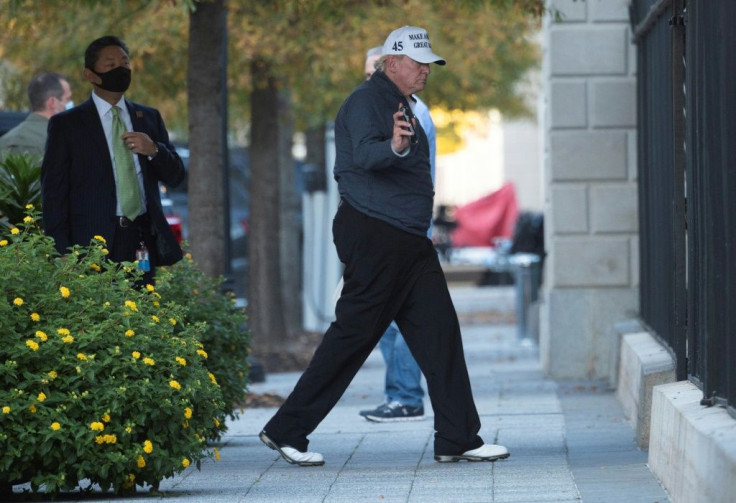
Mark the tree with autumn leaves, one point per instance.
(288, 66)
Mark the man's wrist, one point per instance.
(401, 154)
(155, 152)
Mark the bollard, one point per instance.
(527, 276)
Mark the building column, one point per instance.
(591, 226)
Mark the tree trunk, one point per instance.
(205, 75)
(291, 226)
(264, 252)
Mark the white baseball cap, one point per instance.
(413, 42)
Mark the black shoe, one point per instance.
(393, 412)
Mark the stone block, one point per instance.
(614, 208)
(613, 103)
(569, 11)
(591, 262)
(577, 337)
(692, 449)
(588, 155)
(601, 50)
(606, 11)
(644, 363)
(568, 104)
(569, 207)
(620, 329)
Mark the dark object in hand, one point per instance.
(407, 117)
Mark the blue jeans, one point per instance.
(403, 377)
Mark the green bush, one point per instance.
(98, 381)
(20, 184)
(225, 336)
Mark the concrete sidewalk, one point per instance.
(568, 441)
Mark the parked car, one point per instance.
(8, 120)
(174, 220)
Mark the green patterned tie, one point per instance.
(129, 192)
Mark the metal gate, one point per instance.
(686, 57)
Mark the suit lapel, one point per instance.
(93, 127)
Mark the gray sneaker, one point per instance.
(393, 412)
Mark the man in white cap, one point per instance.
(392, 271)
(403, 381)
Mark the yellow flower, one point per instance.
(14, 231)
(53, 374)
(35, 317)
(155, 318)
(28, 220)
(147, 447)
(100, 239)
(185, 463)
(95, 267)
(158, 295)
(64, 292)
(32, 344)
(188, 256)
(106, 418)
(18, 301)
(82, 356)
(129, 482)
(63, 331)
(149, 361)
(3, 242)
(129, 333)
(55, 426)
(100, 439)
(131, 305)
(181, 361)
(217, 453)
(212, 378)
(136, 354)
(96, 426)
(6, 410)
(111, 439)
(41, 396)
(67, 339)
(141, 462)
(172, 321)
(150, 287)
(202, 353)
(156, 303)
(105, 251)
(33, 409)
(128, 429)
(188, 413)
(174, 384)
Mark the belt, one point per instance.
(123, 221)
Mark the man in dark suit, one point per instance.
(104, 160)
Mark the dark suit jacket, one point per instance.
(78, 185)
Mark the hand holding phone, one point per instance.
(407, 117)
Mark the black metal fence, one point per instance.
(686, 57)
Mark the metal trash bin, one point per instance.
(527, 268)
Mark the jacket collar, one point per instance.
(381, 80)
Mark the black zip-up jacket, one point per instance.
(370, 176)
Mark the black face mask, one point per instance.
(116, 80)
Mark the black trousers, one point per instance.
(389, 274)
(128, 237)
